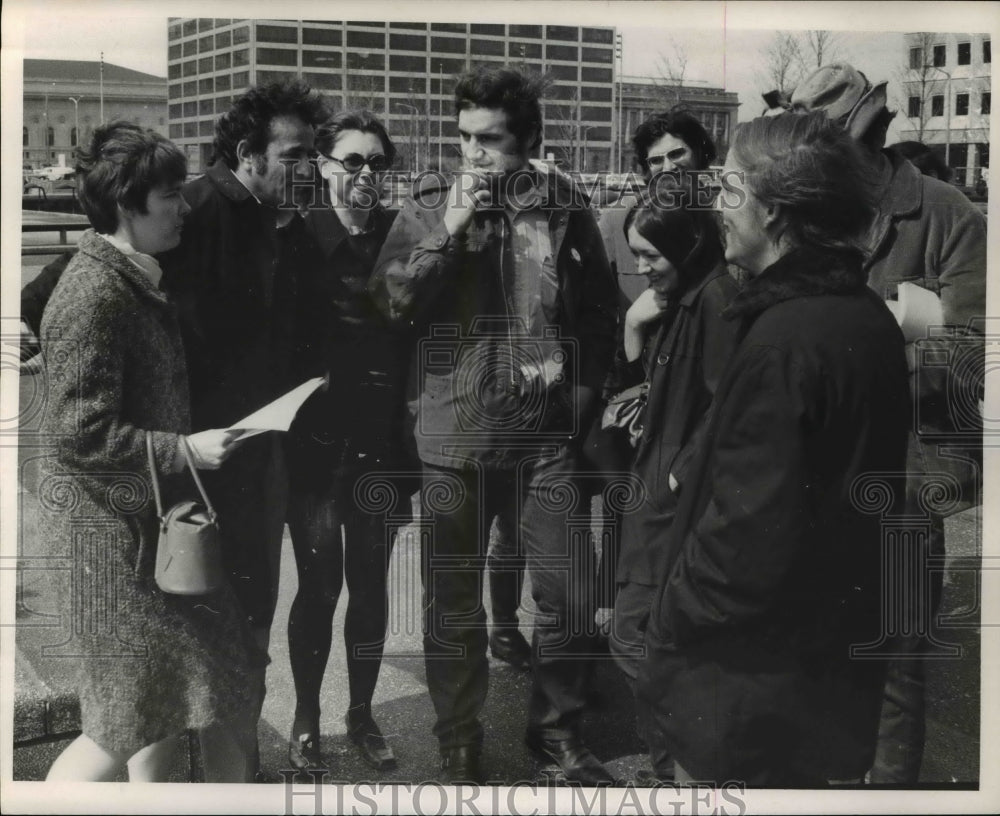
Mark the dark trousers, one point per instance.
(324, 557)
(627, 643)
(900, 749)
(460, 507)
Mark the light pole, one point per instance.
(619, 58)
(102, 87)
(76, 116)
(947, 115)
(440, 120)
(586, 132)
(414, 159)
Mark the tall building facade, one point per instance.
(715, 108)
(948, 99)
(402, 71)
(63, 104)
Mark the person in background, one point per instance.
(237, 277)
(341, 435)
(664, 143)
(115, 374)
(924, 159)
(772, 570)
(504, 276)
(925, 232)
(677, 344)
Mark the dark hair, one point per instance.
(363, 120)
(251, 116)
(516, 93)
(677, 123)
(813, 170)
(924, 159)
(120, 167)
(688, 238)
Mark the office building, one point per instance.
(402, 71)
(948, 98)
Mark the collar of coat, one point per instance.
(230, 186)
(104, 252)
(329, 231)
(901, 197)
(800, 273)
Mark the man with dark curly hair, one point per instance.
(235, 278)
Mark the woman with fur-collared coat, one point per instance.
(773, 571)
(150, 665)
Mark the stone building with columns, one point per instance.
(62, 105)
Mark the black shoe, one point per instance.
(370, 743)
(460, 766)
(649, 778)
(573, 758)
(510, 646)
(303, 753)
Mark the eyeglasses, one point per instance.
(674, 155)
(355, 162)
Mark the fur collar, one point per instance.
(800, 273)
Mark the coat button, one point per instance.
(662, 359)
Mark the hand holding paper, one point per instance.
(277, 415)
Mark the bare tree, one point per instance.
(782, 60)
(365, 91)
(819, 48)
(562, 117)
(919, 81)
(672, 68)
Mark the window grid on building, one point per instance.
(384, 66)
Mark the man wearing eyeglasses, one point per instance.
(504, 277)
(235, 278)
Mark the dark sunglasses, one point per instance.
(355, 162)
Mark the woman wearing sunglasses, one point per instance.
(341, 436)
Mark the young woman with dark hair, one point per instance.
(675, 347)
(341, 440)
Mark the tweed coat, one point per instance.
(150, 664)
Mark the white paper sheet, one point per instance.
(277, 415)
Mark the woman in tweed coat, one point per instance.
(151, 664)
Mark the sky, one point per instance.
(723, 43)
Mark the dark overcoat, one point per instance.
(683, 361)
(756, 663)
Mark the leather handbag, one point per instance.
(624, 411)
(189, 549)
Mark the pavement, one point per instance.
(402, 706)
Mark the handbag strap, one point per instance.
(194, 472)
(186, 448)
(152, 472)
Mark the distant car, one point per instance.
(50, 179)
(55, 172)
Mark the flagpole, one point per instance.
(102, 87)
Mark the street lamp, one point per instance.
(414, 159)
(76, 115)
(586, 131)
(947, 116)
(440, 119)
